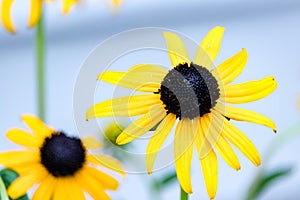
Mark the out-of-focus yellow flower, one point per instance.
(60, 164)
(36, 7)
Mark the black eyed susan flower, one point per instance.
(193, 96)
(59, 163)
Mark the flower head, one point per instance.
(193, 96)
(60, 163)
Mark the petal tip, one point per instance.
(257, 163)
(219, 28)
(166, 33)
(244, 51)
(169, 34)
(13, 193)
(99, 77)
(24, 117)
(11, 31)
(90, 113)
(120, 141)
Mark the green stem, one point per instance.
(183, 194)
(40, 42)
(3, 194)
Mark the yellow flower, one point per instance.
(59, 163)
(194, 95)
(36, 8)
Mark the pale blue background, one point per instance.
(268, 29)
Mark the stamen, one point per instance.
(189, 91)
(62, 155)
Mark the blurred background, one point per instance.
(269, 30)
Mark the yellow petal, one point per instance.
(183, 150)
(238, 139)
(209, 48)
(230, 69)
(91, 143)
(75, 191)
(91, 186)
(20, 186)
(105, 180)
(208, 131)
(107, 162)
(67, 188)
(227, 153)
(117, 3)
(176, 49)
(202, 145)
(249, 91)
(67, 5)
(5, 15)
(209, 166)
(213, 135)
(124, 106)
(143, 81)
(25, 168)
(18, 157)
(23, 138)
(35, 12)
(45, 189)
(158, 139)
(37, 126)
(61, 190)
(112, 77)
(142, 125)
(241, 114)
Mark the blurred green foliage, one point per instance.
(7, 176)
(266, 178)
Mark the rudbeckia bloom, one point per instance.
(59, 163)
(36, 8)
(193, 96)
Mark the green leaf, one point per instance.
(8, 176)
(165, 181)
(265, 180)
(281, 140)
(169, 178)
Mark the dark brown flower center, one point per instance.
(189, 90)
(62, 155)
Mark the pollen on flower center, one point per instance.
(62, 155)
(189, 91)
